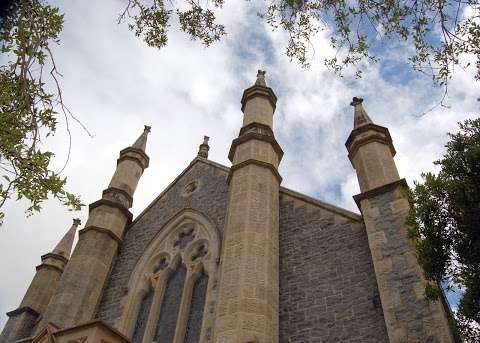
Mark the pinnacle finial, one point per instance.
(261, 78)
(360, 116)
(141, 142)
(64, 247)
(203, 148)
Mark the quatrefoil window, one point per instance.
(184, 237)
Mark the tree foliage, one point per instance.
(439, 31)
(27, 108)
(445, 225)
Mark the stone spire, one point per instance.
(252, 223)
(261, 78)
(81, 284)
(203, 148)
(360, 117)
(384, 207)
(370, 149)
(141, 142)
(259, 102)
(64, 247)
(41, 290)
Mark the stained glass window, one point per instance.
(167, 320)
(142, 317)
(194, 324)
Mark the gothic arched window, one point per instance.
(142, 317)
(180, 269)
(194, 323)
(172, 298)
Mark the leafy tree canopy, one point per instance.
(27, 109)
(439, 31)
(445, 225)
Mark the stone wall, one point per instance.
(410, 317)
(328, 290)
(209, 197)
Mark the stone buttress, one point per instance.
(81, 285)
(248, 306)
(45, 282)
(409, 316)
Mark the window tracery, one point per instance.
(194, 323)
(167, 320)
(180, 267)
(142, 317)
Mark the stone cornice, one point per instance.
(379, 190)
(259, 91)
(253, 135)
(101, 230)
(225, 170)
(118, 190)
(258, 163)
(258, 126)
(49, 266)
(143, 163)
(94, 324)
(110, 203)
(23, 309)
(377, 134)
(56, 256)
(320, 204)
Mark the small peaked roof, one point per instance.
(64, 247)
(141, 142)
(360, 116)
(261, 78)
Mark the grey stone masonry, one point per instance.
(409, 316)
(328, 290)
(209, 197)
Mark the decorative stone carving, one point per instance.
(190, 188)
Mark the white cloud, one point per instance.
(114, 83)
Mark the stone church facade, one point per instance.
(227, 255)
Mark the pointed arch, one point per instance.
(189, 242)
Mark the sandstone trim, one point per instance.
(118, 190)
(48, 266)
(353, 146)
(259, 91)
(138, 151)
(258, 163)
(110, 203)
(97, 322)
(57, 256)
(21, 310)
(261, 126)
(226, 170)
(379, 190)
(318, 203)
(253, 135)
(101, 230)
(131, 158)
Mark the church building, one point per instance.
(228, 255)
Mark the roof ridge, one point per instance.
(308, 199)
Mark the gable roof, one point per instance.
(283, 190)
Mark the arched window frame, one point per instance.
(163, 246)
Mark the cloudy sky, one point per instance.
(115, 84)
